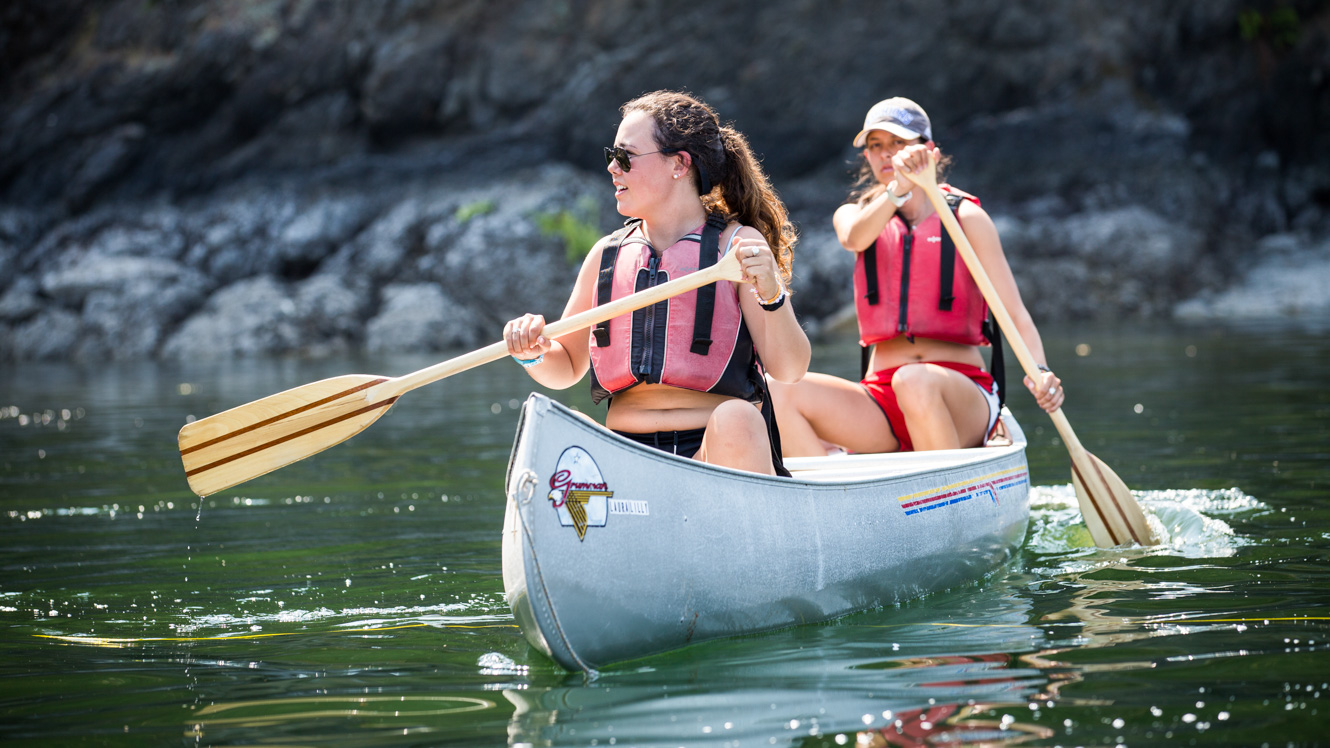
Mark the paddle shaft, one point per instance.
(727, 268)
(231, 447)
(1118, 516)
(999, 309)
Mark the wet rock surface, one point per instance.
(244, 178)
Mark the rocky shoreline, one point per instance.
(436, 265)
(245, 178)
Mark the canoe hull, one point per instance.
(612, 551)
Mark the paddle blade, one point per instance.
(242, 443)
(1111, 513)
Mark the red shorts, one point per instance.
(878, 385)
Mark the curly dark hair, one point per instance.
(724, 169)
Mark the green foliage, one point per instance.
(1280, 28)
(579, 228)
(471, 210)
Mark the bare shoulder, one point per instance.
(581, 296)
(742, 231)
(975, 220)
(970, 210)
(735, 232)
(591, 263)
(586, 275)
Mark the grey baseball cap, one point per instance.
(899, 116)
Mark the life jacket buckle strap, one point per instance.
(870, 273)
(708, 250)
(605, 279)
(947, 260)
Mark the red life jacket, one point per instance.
(696, 341)
(913, 283)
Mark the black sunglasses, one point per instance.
(624, 158)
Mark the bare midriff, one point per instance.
(646, 408)
(900, 351)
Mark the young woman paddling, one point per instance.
(918, 309)
(689, 186)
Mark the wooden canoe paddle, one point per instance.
(245, 442)
(1111, 513)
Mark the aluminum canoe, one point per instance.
(613, 551)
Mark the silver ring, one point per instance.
(1053, 390)
(752, 251)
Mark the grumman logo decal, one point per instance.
(578, 492)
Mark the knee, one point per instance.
(793, 400)
(736, 421)
(736, 437)
(916, 383)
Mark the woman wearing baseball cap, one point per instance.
(922, 319)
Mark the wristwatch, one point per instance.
(900, 200)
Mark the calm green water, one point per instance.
(355, 598)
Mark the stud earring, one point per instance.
(676, 176)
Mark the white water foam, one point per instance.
(1190, 523)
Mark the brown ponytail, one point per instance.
(723, 164)
(746, 193)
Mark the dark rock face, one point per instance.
(214, 178)
(261, 269)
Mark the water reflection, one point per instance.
(906, 702)
(372, 712)
(951, 725)
(882, 676)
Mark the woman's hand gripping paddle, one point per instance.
(1111, 514)
(232, 447)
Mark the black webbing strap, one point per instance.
(605, 279)
(707, 251)
(773, 429)
(870, 273)
(996, 366)
(946, 290)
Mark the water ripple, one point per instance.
(364, 617)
